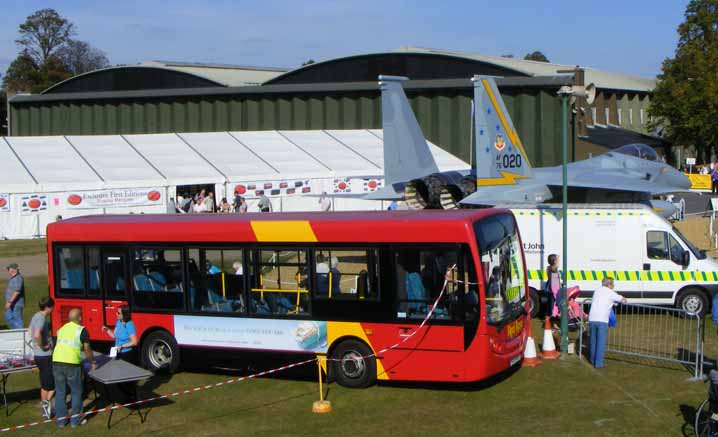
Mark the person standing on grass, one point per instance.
(14, 297)
(42, 349)
(72, 339)
(602, 302)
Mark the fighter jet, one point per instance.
(503, 173)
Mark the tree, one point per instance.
(536, 56)
(3, 113)
(43, 33)
(49, 54)
(80, 57)
(309, 62)
(685, 100)
(508, 55)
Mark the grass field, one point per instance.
(12, 248)
(565, 397)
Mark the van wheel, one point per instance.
(534, 303)
(160, 352)
(693, 301)
(353, 364)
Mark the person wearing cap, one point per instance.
(14, 297)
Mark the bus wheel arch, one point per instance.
(352, 364)
(693, 299)
(534, 302)
(159, 351)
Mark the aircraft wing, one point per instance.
(529, 192)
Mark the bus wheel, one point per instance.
(160, 351)
(534, 303)
(354, 364)
(693, 301)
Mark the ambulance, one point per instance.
(649, 259)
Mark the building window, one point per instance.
(630, 116)
(620, 116)
(641, 115)
(607, 113)
(594, 115)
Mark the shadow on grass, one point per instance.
(455, 386)
(16, 399)
(689, 419)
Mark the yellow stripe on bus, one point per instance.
(283, 231)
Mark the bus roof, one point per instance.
(324, 227)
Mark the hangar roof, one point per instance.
(165, 75)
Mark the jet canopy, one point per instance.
(638, 150)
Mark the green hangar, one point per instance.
(342, 93)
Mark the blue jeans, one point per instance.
(597, 348)
(13, 316)
(714, 309)
(68, 375)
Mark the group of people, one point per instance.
(602, 303)
(60, 363)
(204, 202)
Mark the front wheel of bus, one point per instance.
(354, 364)
(160, 351)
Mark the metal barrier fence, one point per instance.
(655, 332)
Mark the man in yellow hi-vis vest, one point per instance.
(72, 338)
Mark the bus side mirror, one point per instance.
(686, 259)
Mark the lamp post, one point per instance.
(565, 92)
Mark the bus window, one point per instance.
(280, 283)
(502, 266)
(72, 271)
(157, 278)
(349, 274)
(420, 277)
(93, 271)
(217, 280)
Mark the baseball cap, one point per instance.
(11, 266)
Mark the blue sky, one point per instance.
(631, 37)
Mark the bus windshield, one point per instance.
(502, 267)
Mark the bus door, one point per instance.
(115, 283)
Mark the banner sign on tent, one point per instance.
(4, 203)
(114, 198)
(33, 204)
(357, 185)
(274, 188)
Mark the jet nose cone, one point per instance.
(671, 177)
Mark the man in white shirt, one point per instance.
(603, 299)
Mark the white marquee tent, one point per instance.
(44, 177)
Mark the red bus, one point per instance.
(343, 284)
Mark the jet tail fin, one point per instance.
(503, 170)
(500, 156)
(406, 154)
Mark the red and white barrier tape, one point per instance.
(240, 379)
(156, 398)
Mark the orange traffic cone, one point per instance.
(548, 349)
(531, 358)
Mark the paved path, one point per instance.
(30, 265)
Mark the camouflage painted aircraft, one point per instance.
(503, 173)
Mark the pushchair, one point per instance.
(576, 315)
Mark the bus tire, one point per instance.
(693, 300)
(534, 303)
(353, 364)
(160, 352)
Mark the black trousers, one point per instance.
(714, 187)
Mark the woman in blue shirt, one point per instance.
(125, 335)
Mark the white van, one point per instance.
(649, 259)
